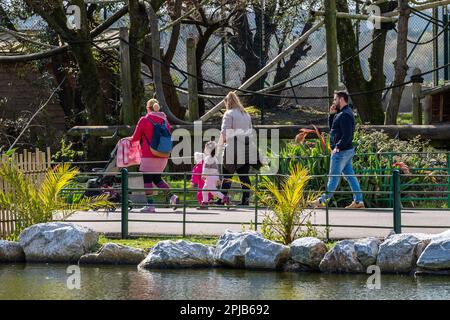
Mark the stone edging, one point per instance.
(398, 253)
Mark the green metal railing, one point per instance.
(442, 166)
(396, 209)
(396, 192)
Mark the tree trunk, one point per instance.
(199, 52)
(170, 92)
(400, 64)
(138, 30)
(79, 42)
(66, 95)
(285, 71)
(244, 46)
(88, 80)
(374, 111)
(369, 105)
(248, 47)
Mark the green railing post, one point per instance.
(124, 220)
(448, 180)
(397, 206)
(327, 217)
(391, 161)
(256, 203)
(184, 205)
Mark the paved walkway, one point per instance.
(205, 222)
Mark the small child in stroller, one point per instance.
(104, 183)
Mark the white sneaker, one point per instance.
(147, 209)
(316, 204)
(355, 205)
(174, 201)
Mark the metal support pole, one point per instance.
(184, 205)
(128, 114)
(124, 221)
(223, 43)
(331, 38)
(446, 43)
(192, 81)
(224, 78)
(256, 203)
(397, 207)
(391, 161)
(435, 48)
(448, 180)
(416, 90)
(327, 217)
(261, 61)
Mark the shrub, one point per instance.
(33, 202)
(66, 153)
(375, 158)
(287, 217)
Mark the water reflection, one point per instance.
(43, 281)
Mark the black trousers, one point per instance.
(152, 178)
(245, 169)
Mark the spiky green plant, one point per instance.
(33, 202)
(287, 202)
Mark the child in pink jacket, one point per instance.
(196, 180)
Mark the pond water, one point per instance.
(43, 281)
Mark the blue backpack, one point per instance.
(161, 144)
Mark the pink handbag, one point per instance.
(128, 153)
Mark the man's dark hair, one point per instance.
(342, 94)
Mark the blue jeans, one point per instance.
(341, 164)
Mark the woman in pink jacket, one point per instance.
(149, 162)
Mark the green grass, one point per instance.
(147, 243)
(404, 118)
(330, 245)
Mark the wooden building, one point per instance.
(436, 105)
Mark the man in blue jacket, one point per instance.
(342, 128)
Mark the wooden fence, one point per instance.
(35, 165)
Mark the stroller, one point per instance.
(106, 182)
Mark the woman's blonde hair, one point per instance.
(151, 103)
(232, 101)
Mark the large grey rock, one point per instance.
(113, 253)
(367, 251)
(250, 250)
(342, 259)
(308, 251)
(11, 252)
(178, 254)
(57, 242)
(436, 255)
(399, 252)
